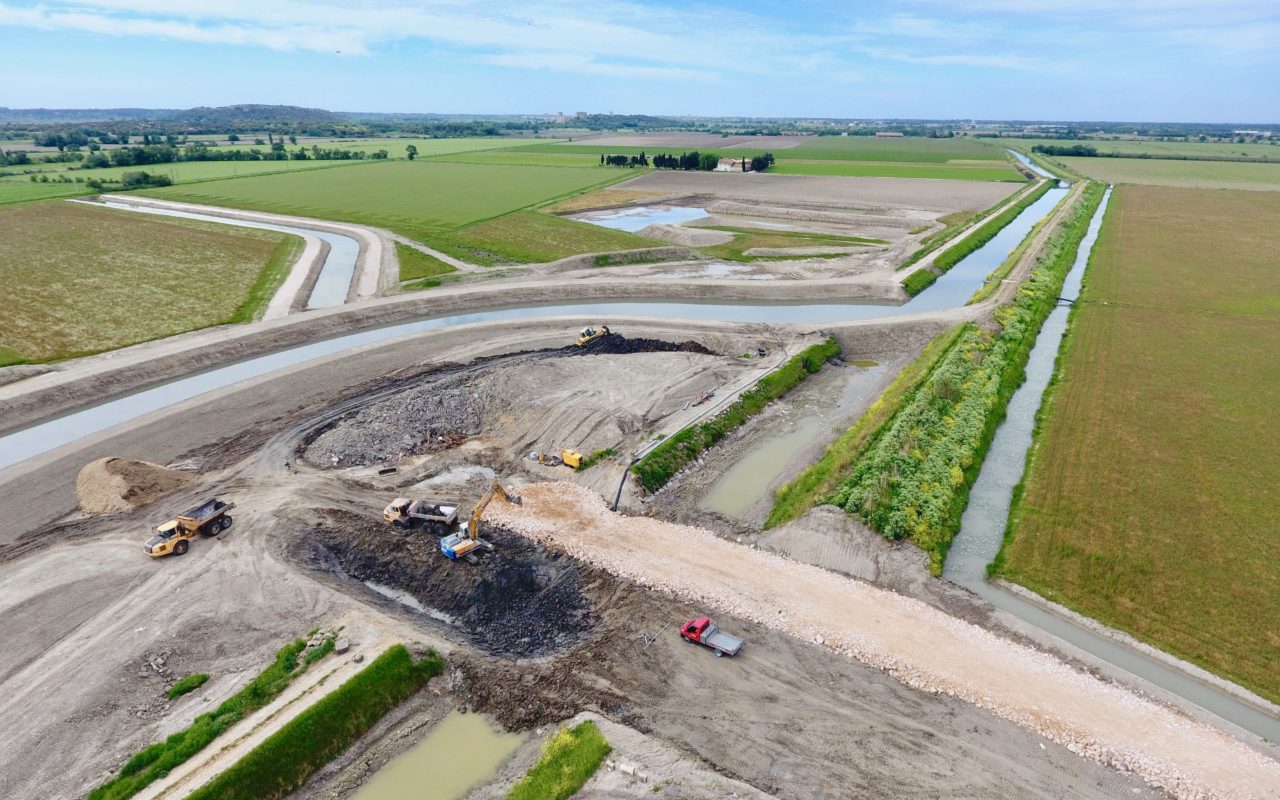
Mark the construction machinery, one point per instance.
(701, 630)
(174, 536)
(436, 516)
(570, 458)
(463, 544)
(589, 334)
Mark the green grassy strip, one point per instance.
(956, 224)
(912, 481)
(661, 463)
(157, 760)
(568, 761)
(186, 685)
(415, 264)
(8, 357)
(269, 280)
(595, 458)
(988, 230)
(918, 281)
(291, 755)
(822, 478)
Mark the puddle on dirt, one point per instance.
(461, 752)
(743, 485)
(719, 269)
(633, 219)
(404, 598)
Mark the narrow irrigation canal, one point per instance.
(335, 274)
(983, 524)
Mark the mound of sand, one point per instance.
(122, 484)
(689, 237)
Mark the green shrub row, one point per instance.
(918, 281)
(665, 460)
(989, 229)
(157, 760)
(291, 755)
(186, 685)
(568, 761)
(912, 479)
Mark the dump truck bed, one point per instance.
(204, 512)
(717, 639)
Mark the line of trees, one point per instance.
(690, 162)
(624, 161)
(687, 161)
(164, 154)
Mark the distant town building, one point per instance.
(734, 165)
(560, 118)
(888, 134)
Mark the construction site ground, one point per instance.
(534, 637)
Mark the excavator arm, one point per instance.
(495, 490)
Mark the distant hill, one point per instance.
(254, 117)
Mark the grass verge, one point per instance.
(820, 479)
(568, 761)
(291, 755)
(662, 462)
(186, 685)
(912, 479)
(987, 231)
(156, 761)
(533, 237)
(417, 265)
(269, 281)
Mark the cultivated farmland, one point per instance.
(1149, 502)
(851, 156)
(430, 201)
(1191, 174)
(83, 279)
(1164, 149)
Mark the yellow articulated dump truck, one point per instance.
(174, 537)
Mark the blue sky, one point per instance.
(1171, 60)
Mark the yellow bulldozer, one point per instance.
(464, 543)
(589, 334)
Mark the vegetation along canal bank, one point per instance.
(1149, 501)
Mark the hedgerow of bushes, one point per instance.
(665, 460)
(286, 759)
(912, 479)
(918, 281)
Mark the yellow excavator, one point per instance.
(589, 334)
(463, 544)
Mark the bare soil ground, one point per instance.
(85, 615)
(942, 196)
(925, 649)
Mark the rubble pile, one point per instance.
(919, 645)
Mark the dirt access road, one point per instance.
(916, 643)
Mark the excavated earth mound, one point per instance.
(690, 237)
(519, 600)
(617, 344)
(122, 484)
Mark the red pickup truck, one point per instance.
(704, 632)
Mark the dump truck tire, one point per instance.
(214, 528)
(226, 522)
(180, 548)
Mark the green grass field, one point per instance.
(83, 279)
(25, 191)
(1203, 149)
(1189, 174)
(851, 156)
(1150, 496)
(433, 202)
